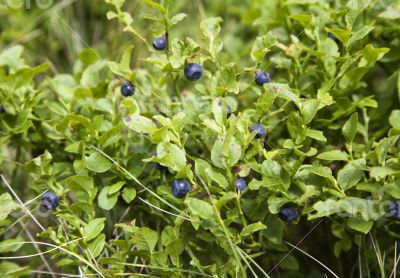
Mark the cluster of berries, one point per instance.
(193, 71)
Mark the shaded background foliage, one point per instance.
(332, 123)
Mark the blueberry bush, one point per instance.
(161, 138)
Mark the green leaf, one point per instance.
(175, 248)
(304, 19)
(359, 34)
(200, 208)
(93, 229)
(316, 134)
(382, 172)
(231, 150)
(252, 228)
(217, 177)
(106, 199)
(13, 270)
(296, 127)
(142, 124)
(283, 90)
(321, 171)
(390, 13)
(360, 225)
(209, 174)
(342, 245)
(176, 19)
(7, 205)
(227, 79)
(91, 76)
(351, 174)
(126, 58)
(392, 189)
(171, 156)
(89, 56)
(98, 163)
(262, 46)
(347, 207)
(96, 246)
(11, 57)
(216, 154)
(77, 182)
(156, 6)
(128, 194)
(211, 27)
(350, 128)
(116, 187)
(394, 118)
(333, 155)
(145, 239)
(11, 245)
(372, 54)
(217, 111)
(309, 109)
(341, 34)
(116, 3)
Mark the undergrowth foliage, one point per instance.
(213, 153)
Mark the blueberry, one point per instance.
(333, 37)
(262, 77)
(127, 89)
(193, 71)
(180, 188)
(394, 209)
(260, 129)
(240, 184)
(385, 38)
(160, 43)
(228, 112)
(50, 200)
(288, 213)
(2, 109)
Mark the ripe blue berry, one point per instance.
(193, 71)
(127, 89)
(2, 109)
(180, 188)
(333, 37)
(262, 77)
(160, 43)
(394, 209)
(228, 112)
(288, 213)
(240, 184)
(50, 200)
(385, 38)
(259, 129)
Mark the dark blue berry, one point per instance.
(180, 188)
(50, 200)
(385, 38)
(288, 213)
(193, 71)
(263, 77)
(127, 89)
(394, 210)
(259, 129)
(228, 112)
(158, 166)
(2, 109)
(160, 43)
(333, 37)
(240, 184)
